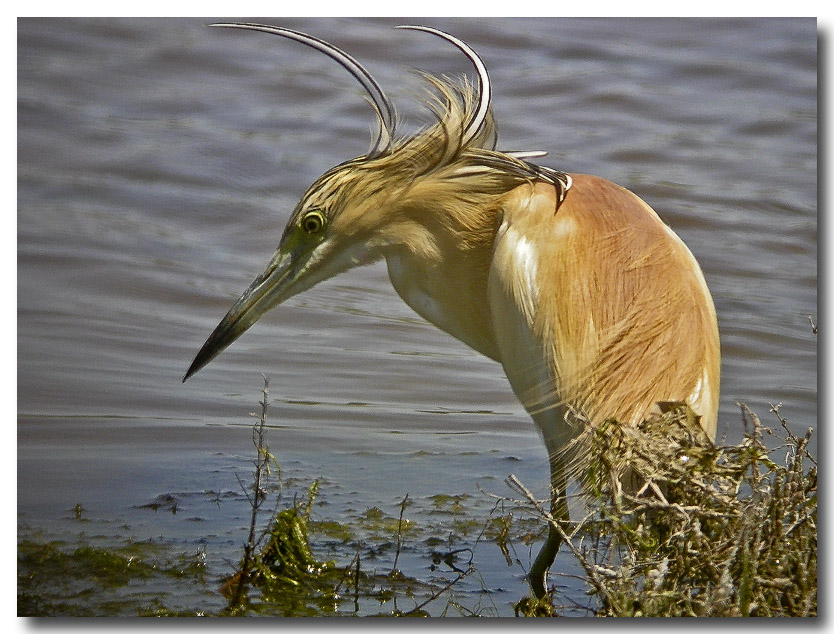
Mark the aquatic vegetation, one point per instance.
(676, 526)
(284, 571)
(281, 566)
(58, 579)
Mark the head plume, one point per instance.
(384, 110)
(464, 137)
(478, 117)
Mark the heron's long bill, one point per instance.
(269, 289)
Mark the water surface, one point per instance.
(158, 161)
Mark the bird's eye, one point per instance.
(313, 221)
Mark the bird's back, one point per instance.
(615, 298)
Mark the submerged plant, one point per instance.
(280, 565)
(285, 562)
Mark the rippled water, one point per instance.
(158, 161)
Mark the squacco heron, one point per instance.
(593, 306)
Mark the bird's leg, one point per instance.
(559, 511)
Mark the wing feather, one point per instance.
(600, 309)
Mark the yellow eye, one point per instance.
(313, 221)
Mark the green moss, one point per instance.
(449, 503)
(332, 529)
(97, 565)
(384, 527)
(56, 579)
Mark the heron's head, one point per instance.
(357, 210)
(339, 224)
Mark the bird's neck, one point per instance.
(441, 269)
